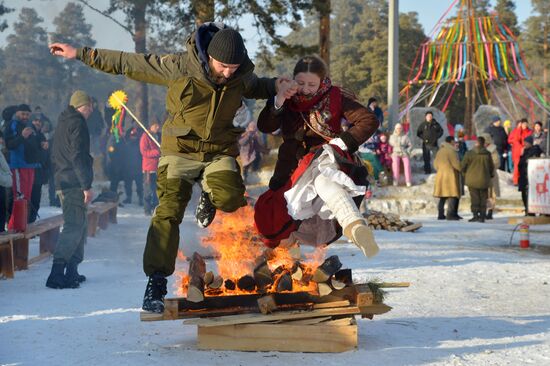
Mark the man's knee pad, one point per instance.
(226, 190)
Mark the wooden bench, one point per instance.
(101, 214)
(7, 255)
(47, 230)
(14, 247)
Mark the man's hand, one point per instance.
(62, 49)
(45, 145)
(88, 196)
(27, 131)
(279, 81)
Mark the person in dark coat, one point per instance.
(41, 172)
(429, 132)
(132, 165)
(478, 169)
(114, 164)
(530, 151)
(500, 139)
(373, 106)
(73, 180)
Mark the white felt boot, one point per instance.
(347, 214)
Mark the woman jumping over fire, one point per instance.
(317, 175)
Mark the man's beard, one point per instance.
(216, 78)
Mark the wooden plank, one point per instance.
(21, 253)
(93, 221)
(7, 266)
(43, 225)
(333, 304)
(113, 213)
(258, 318)
(39, 257)
(412, 227)
(309, 321)
(48, 240)
(529, 220)
(338, 322)
(278, 337)
(375, 309)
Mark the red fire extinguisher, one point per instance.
(20, 211)
(524, 236)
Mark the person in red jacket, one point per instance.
(150, 152)
(517, 140)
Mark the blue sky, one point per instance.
(109, 35)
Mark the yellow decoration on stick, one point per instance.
(116, 98)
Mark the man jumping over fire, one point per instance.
(199, 142)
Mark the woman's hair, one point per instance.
(311, 64)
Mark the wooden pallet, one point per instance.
(530, 220)
(296, 322)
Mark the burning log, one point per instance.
(208, 278)
(285, 283)
(197, 270)
(216, 283)
(330, 266)
(263, 275)
(246, 283)
(267, 304)
(324, 289)
(298, 274)
(337, 285)
(230, 285)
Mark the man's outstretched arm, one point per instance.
(148, 68)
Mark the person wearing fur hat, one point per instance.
(73, 181)
(205, 87)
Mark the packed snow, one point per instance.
(475, 298)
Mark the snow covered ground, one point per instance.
(473, 300)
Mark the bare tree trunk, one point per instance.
(140, 38)
(204, 11)
(323, 6)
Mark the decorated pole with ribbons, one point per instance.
(118, 101)
(479, 51)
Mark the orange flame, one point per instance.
(238, 248)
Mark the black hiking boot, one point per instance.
(57, 278)
(489, 215)
(153, 300)
(205, 212)
(475, 218)
(72, 274)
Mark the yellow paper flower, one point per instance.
(116, 98)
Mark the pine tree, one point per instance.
(507, 15)
(30, 74)
(4, 10)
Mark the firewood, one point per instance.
(246, 283)
(298, 274)
(337, 285)
(216, 283)
(344, 275)
(285, 283)
(197, 270)
(324, 289)
(208, 278)
(329, 267)
(263, 275)
(230, 284)
(267, 304)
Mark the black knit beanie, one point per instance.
(227, 46)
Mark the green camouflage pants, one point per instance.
(70, 246)
(220, 178)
